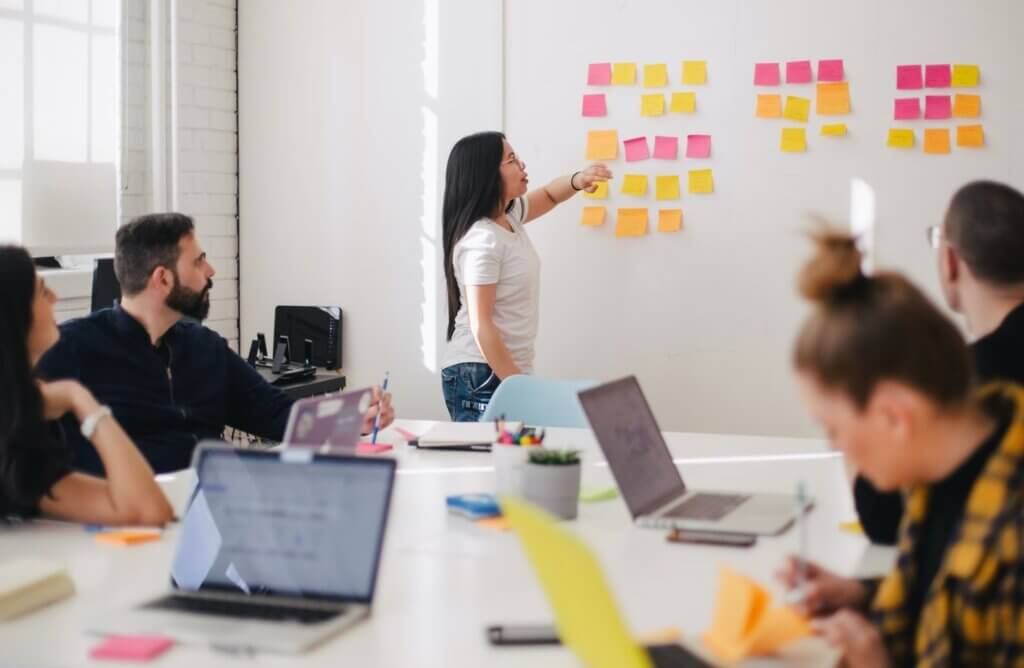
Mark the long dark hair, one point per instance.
(472, 190)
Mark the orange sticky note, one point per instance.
(900, 138)
(670, 220)
(126, 538)
(631, 223)
(966, 106)
(600, 192)
(769, 106)
(593, 216)
(833, 98)
(970, 136)
(602, 145)
(655, 76)
(683, 103)
(494, 523)
(936, 140)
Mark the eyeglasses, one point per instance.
(934, 235)
(514, 158)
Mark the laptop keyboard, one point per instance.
(243, 610)
(707, 507)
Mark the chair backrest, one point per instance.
(106, 291)
(540, 402)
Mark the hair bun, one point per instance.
(834, 269)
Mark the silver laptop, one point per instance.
(277, 552)
(651, 484)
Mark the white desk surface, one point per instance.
(444, 579)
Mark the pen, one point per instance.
(376, 420)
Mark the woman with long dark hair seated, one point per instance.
(34, 473)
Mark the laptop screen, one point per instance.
(630, 438)
(284, 524)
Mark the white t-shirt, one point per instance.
(490, 254)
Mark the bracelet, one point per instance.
(92, 420)
(572, 182)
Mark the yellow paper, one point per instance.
(624, 73)
(965, 76)
(769, 106)
(695, 72)
(701, 181)
(970, 136)
(670, 220)
(602, 145)
(966, 106)
(936, 140)
(833, 130)
(593, 215)
(794, 140)
(851, 527)
(834, 98)
(666, 187)
(797, 108)
(652, 105)
(631, 223)
(655, 76)
(601, 192)
(900, 138)
(683, 103)
(634, 184)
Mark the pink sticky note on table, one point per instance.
(907, 108)
(594, 105)
(372, 448)
(766, 74)
(830, 70)
(666, 148)
(937, 76)
(636, 149)
(908, 77)
(798, 72)
(599, 74)
(938, 106)
(132, 648)
(698, 146)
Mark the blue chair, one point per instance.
(540, 402)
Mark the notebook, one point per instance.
(27, 584)
(463, 435)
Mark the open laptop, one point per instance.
(277, 552)
(328, 423)
(650, 482)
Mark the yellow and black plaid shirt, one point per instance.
(973, 611)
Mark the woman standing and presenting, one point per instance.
(491, 269)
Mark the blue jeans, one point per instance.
(468, 388)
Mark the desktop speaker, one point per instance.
(319, 324)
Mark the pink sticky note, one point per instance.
(372, 448)
(593, 105)
(698, 146)
(907, 108)
(908, 77)
(666, 148)
(937, 106)
(133, 648)
(599, 74)
(830, 70)
(937, 76)
(406, 434)
(798, 72)
(636, 149)
(766, 74)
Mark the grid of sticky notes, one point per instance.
(793, 104)
(627, 90)
(930, 95)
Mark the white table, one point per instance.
(444, 579)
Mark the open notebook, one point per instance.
(462, 435)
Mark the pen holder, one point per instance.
(509, 461)
(553, 483)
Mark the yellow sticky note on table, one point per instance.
(593, 216)
(670, 220)
(652, 105)
(624, 73)
(701, 181)
(683, 103)
(833, 98)
(602, 145)
(965, 76)
(655, 76)
(666, 187)
(833, 130)
(966, 106)
(794, 140)
(600, 192)
(695, 72)
(936, 140)
(900, 138)
(769, 106)
(634, 184)
(631, 223)
(970, 136)
(797, 108)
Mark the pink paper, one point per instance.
(830, 70)
(698, 146)
(136, 648)
(406, 434)
(937, 76)
(666, 148)
(908, 77)
(766, 74)
(599, 74)
(907, 108)
(593, 105)
(372, 448)
(798, 72)
(937, 106)
(636, 149)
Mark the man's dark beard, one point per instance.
(188, 302)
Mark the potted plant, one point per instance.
(551, 480)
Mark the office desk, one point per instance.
(324, 382)
(443, 579)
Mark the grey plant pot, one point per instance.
(554, 488)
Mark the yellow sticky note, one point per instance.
(794, 140)
(965, 76)
(683, 103)
(853, 526)
(602, 145)
(966, 106)
(900, 138)
(936, 140)
(624, 73)
(652, 105)
(769, 106)
(970, 136)
(127, 537)
(833, 130)
(670, 220)
(666, 187)
(655, 76)
(593, 216)
(701, 181)
(631, 223)
(601, 192)
(834, 98)
(634, 184)
(797, 108)
(695, 72)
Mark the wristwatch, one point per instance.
(92, 420)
